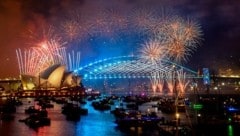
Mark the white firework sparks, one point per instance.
(182, 83)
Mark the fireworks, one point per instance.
(170, 81)
(153, 51)
(182, 83)
(40, 57)
(71, 29)
(178, 39)
(180, 36)
(117, 19)
(99, 24)
(35, 60)
(48, 50)
(75, 28)
(45, 54)
(25, 61)
(162, 36)
(182, 39)
(34, 36)
(160, 81)
(157, 81)
(144, 20)
(73, 61)
(107, 25)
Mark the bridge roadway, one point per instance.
(39, 93)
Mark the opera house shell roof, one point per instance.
(54, 77)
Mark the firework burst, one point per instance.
(193, 33)
(144, 20)
(50, 50)
(71, 29)
(117, 19)
(153, 51)
(181, 38)
(46, 53)
(34, 36)
(75, 28)
(99, 24)
(37, 59)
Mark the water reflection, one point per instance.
(100, 123)
(230, 130)
(95, 123)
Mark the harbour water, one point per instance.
(96, 123)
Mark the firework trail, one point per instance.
(182, 83)
(37, 59)
(154, 81)
(160, 80)
(48, 50)
(73, 60)
(170, 81)
(157, 81)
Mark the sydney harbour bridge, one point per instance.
(131, 67)
(157, 75)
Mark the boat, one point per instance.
(136, 119)
(73, 112)
(36, 120)
(138, 122)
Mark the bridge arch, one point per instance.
(129, 67)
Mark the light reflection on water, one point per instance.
(95, 123)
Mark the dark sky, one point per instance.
(219, 20)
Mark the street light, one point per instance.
(177, 115)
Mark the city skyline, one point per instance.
(218, 20)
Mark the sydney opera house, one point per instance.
(55, 80)
(46, 69)
(54, 77)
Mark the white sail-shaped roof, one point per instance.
(55, 78)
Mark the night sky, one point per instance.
(219, 21)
